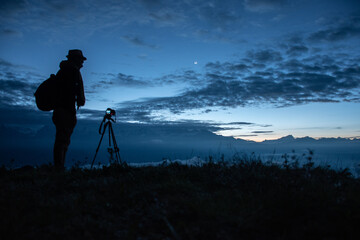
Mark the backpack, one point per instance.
(46, 94)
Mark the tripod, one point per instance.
(111, 150)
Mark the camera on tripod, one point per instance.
(109, 113)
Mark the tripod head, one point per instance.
(109, 113)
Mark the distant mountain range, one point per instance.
(308, 140)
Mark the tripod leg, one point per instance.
(110, 128)
(117, 154)
(97, 149)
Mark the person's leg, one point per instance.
(65, 123)
(62, 142)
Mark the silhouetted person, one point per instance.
(71, 91)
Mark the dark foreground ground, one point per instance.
(248, 200)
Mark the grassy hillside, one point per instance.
(247, 200)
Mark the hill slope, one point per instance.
(248, 200)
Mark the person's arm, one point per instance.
(80, 95)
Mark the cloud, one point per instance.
(5, 64)
(69, 20)
(182, 76)
(280, 82)
(262, 132)
(121, 79)
(136, 40)
(296, 50)
(17, 84)
(261, 6)
(208, 17)
(343, 29)
(109, 80)
(129, 80)
(230, 68)
(265, 56)
(14, 93)
(240, 123)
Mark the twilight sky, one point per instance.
(255, 69)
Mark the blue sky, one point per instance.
(260, 69)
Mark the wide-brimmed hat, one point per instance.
(76, 53)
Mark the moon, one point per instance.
(195, 62)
